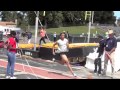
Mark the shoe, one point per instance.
(13, 77)
(53, 59)
(7, 77)
(75, 75)
(99, 74)
(95, 73)
(104, 74)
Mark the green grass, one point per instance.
(73, 30)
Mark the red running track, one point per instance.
(37, 71)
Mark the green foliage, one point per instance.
(57, 18)
(104, 17)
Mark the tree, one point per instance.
(31, 17)
(104, 17)
(6, 16)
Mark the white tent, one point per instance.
(8, 29)
(4, 30)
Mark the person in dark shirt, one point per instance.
(29, 34)
(100, 50)
(110, 46)
(68, 36)
(55, 36)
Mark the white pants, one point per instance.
(112, 62)
(29, 40)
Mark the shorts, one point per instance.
(63, 53)
(58, 55)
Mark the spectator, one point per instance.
(68, 36)
(110, 47)
(100, 51)
(29, 34)
(42, 35)
(55, 36)
(17, 38)
(11, 47)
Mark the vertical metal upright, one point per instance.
(88, 13)
(36, 30)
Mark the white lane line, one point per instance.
(45, 69)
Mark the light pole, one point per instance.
(92, 16)
(88, 40)
(36, 30)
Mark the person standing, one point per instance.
(42, 35)
(63, 48)
(110, 47)
(68, 36)
(11, 51)
(17, 41)
(55, 36)
(17, 38)
(29, 34)
(100, 51)
(65, 34)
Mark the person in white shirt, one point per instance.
(63, 48)
(55, 36)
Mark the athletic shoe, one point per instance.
(7, 77)
(104, 73)
(53, 59)
(75, 75)
(95, 73)
(99, 74)
(13, 77)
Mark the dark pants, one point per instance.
(42, 39)
(97, 63)
(54, 39)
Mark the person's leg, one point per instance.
(13, 59)
(99, 64)
(105, 64)
(95, 63)
(61, 61)
(54, 39)
(9, 64)
(113, 62)
(30, 40)
(65, 59)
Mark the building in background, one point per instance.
(8, 24)
(6, 27)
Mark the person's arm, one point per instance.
(53, 49)
(9, 46)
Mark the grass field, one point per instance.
(73, 30)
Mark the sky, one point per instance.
(117, 14)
